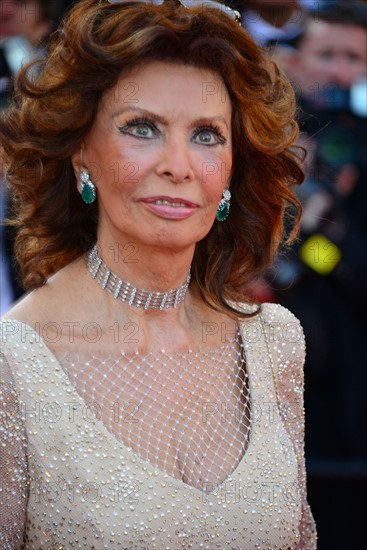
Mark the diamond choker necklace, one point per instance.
(126, 292)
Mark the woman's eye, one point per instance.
(139, 129)
(205, 136)
(142, 130)
(209, 136)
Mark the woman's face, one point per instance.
(160, 155)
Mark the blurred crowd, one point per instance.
(321, 45)
(25, 27)
(322, 278)
(322, 48)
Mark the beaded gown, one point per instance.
(202, 449)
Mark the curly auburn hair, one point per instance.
(55, 107)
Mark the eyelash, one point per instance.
(136, 122)
(142, 120)
(214, 129)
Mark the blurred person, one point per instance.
(29, 18)
(329, 260)
(272, 20)
(7, 280)
(133, 102)
(322, 278)
(330, 53)
(24, 28)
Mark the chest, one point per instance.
(184, 473)
(187, 415)
(157, 484)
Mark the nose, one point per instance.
(175, 163)
(341, 72)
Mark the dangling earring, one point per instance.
(88, 189)
(223, 207)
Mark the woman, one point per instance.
(144, 408)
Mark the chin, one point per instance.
(173, 242)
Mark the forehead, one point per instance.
(334, 35)
(165, 85)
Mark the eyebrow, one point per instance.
(161, 120)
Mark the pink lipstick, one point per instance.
(173, 208)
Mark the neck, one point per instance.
(157, 314)
(151, 268)
(145, 277)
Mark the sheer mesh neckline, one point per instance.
(186, 414)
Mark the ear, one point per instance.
(77, 159)
(77, 163)
(234, 160)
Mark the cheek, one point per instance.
(215, 176)
(359, 67)
(124, 176)
(319, 63)
(111, 165)
(120, 177)
(214, 170)
(212, 194)
(131, 169)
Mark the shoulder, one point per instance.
(24, 319)
(278, 320)
(286, 342)
(278, 313)
(52, 302)
(15, 335)
(268, 311)
(282, 332)
(284, 326)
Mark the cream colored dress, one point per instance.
(74, 478)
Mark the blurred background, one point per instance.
(322, 47)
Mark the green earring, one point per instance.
(88, 189)
(223, 207)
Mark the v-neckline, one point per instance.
(99, 424)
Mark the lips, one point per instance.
(170, 208)
(171, 201)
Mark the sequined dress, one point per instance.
(202, 449)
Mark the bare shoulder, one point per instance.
(54, 301)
